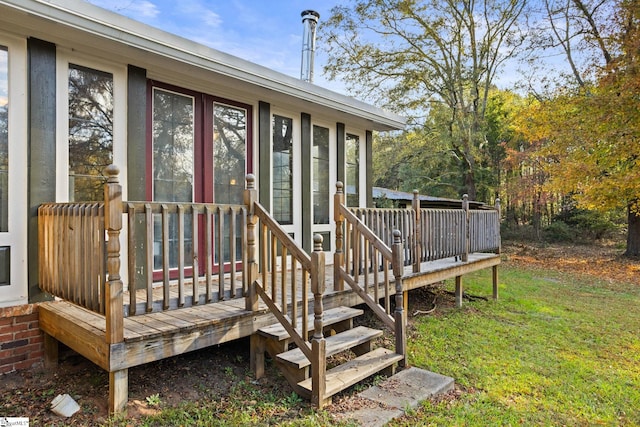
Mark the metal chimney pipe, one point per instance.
(309, 22)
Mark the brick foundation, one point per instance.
(21, 341)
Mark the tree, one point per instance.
(414, 55)
(592, 135)
(579, 32)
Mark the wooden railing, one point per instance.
(363, 261)
(168, 259)
(383, 222)
(178, 255)
(285, 280)
(72, 252)
(433, 234)
(484, 230)
(443, 234)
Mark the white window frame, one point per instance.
(296, 227)
(65, 57)
(362, 166)
(333, 152)
(17, 292)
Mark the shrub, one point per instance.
(559, 231)
(587, 224)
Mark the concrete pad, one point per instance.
(405, 390)
(373, 417)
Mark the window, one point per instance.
(320, 175)
(173, 146)
(283, 169)
(229, 151)
(353, 170)
(90, 132)
(200, 153)
(173, 166)
(4, 139)
(13, 172)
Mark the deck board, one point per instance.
(152, 336)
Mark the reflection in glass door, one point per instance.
(173, 165)
(229, 165)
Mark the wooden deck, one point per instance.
(379, 256)
(157, 335)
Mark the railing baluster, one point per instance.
(131, 255)
(294, 293)
(220, 251)
(208, 238)
(148, 216)
(264, 253)
(274, 269)
(283, 279)
(180, 256)
(195, 259)
(165, 257)
(244, 225)
(232, 253)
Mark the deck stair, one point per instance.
(341, 337)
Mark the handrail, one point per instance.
(362, 259)
(366, 232)
(276, 247)
(281, 259)
(282, 236)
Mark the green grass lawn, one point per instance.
(556, 349)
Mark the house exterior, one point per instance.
(82, 87)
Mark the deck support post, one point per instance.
(417, 238)
(118, 390)
(318, 343)
(250, 197)
(257, 349)
(495, 282)
(399, 314)
(459, 291)
(50, 351)
(465, 207)
(114, 304)
(338, 256)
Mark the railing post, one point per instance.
(399, 315)
(497, 225)
(417, 239)
(498, 251)
(466, 231)
(250, 197)
(114, 304)
(318, 343)
(338, 256)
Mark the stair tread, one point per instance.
(355, 370)
(331, 316)
(335, 344)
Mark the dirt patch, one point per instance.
(212, 373)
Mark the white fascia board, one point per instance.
(106, 24)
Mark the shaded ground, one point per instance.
(213, 373)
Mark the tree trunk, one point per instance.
(633, 234)
(470, 184)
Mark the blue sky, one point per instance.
(267, 32)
